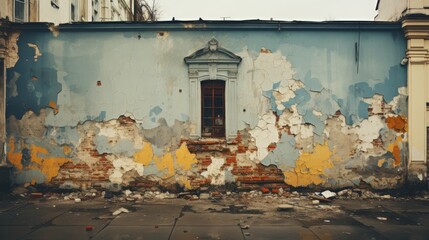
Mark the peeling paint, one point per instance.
(145, 155)
(54, 29)
(369, 130)
(12, 56)
(397, 123)
(265, 133)
(184, 158)
(54, 106)
(300, 110)
(37, 52)
(310, 167)
(13, 156)
(122, 166)
(214, 171)
(13, 90)
(165, 165)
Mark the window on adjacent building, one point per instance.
(95, 10)
(20, 11)
(74, 16)
(213, 108)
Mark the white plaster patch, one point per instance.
(368, 130)
(377, 104)
(286, 91)
(306, 131)
(317, 113)
(247, 159)
(123, 165)
(37, 52)
(293, 120)
(214, 171)
(403, 91)
(264, 134)
(396, 100)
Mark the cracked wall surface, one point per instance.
(82, 109)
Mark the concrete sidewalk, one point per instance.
(215, 219)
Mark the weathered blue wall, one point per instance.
(331, 101)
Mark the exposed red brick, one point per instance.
(265, 190)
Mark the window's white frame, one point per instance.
(213, 63)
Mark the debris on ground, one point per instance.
(285, 207)
(319, 198)
(120, 210)
(270, 196)
(382, 218)
(328, 194)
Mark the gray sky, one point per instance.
(311, 10)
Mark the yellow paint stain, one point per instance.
(49, 166)
(67, 150)
(14, 157)
(185, 182)
(394, 149)
(166, 163)
(145, 155)
(184, 158)
(381, 162)
(310, 167)
(54, 106)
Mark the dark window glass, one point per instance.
(19, 10)
(213, 108)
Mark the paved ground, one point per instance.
(205, 219)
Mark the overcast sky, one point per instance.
(311, 10)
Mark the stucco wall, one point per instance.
(56, 15)
(316, 107)
(391, 10)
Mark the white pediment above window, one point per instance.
(213, 53)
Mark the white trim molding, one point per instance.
(213, 63)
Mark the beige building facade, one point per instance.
(67, 11)
(414, 15)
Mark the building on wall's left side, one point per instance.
(66, 11)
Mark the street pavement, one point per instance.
(181, 219)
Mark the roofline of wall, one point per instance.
(262, 25)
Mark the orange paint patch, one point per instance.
(397, 123)
(54, 106)
(397, 155)
(49, 166)
(395, 150)
(14, 157)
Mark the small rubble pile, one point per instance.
(137, 195)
